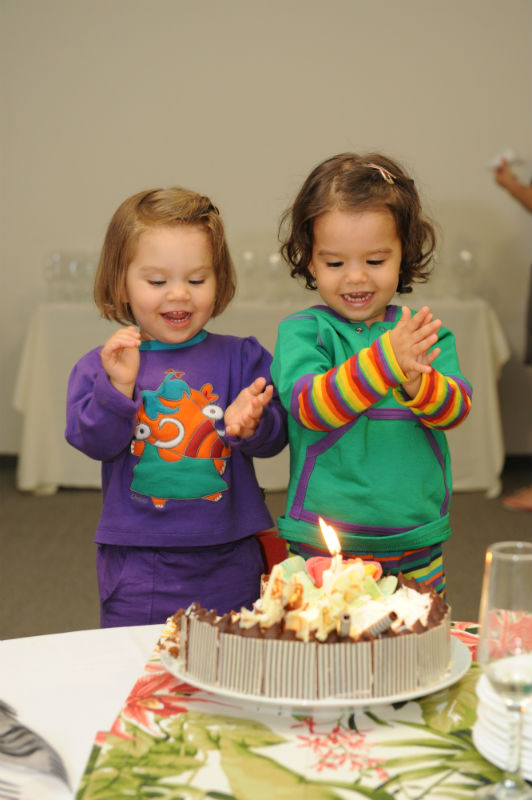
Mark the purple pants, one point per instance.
(144, 585)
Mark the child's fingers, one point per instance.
(412, 322)
(258, 386)
(250, 407)
(255, 412)
(262, 400)
(125, 337)
(429, 326)
(424, 360)
(266, 395)
(245, 425)
(405, 317)
(435, 324)
(418, 366)
(423, 322)
(421, 314)
(424, 315)
(125, 333)
(426, 368)
(114, 347)
(427, 342)
(428, 335)
(260, 392)
(432, 355)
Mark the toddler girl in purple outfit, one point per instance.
(176, 416)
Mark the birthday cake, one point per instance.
(321, 629)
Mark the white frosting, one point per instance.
(307, 609)
(407, 605)
(410, 606)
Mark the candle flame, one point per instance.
(331, 539)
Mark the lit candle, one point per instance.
(333, 544)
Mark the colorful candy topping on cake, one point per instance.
(346, 597)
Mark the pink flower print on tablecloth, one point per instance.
(156, 693)
(339, 747)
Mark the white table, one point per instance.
(67, 687)
(71, 687)
(60, 333)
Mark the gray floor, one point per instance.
(48, 581)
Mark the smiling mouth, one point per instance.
(176, 317)
(357, 298)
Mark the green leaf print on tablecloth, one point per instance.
(150, 767)
(453, 708)
(146, 766)
(161, 747)
(450, 757)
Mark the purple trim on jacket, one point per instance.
(297, 510)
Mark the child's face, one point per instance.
(171, 284)
(356, 259)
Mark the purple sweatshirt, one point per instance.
(170, 477)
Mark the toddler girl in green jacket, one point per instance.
(370, 386)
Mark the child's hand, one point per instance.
(121, 358)
(411, 340)
(243, 415)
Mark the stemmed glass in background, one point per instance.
(505, 649)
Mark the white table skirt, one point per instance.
(60, 333)
(67, 687)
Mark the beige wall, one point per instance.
(239, 99)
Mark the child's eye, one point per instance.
(335, 263)
(375, 263)
(156, 283)
(197, 282)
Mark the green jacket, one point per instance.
(379, 469)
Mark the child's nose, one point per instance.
(178, 291)
(357, 273)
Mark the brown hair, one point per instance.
(350, 182)
(144, 211)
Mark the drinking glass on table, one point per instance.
(505, 649)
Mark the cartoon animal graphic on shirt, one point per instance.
(178, 438)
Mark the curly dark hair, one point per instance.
(350, 182)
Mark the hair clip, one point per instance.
(388, 177)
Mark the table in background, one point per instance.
(60, 333)
(72, 688)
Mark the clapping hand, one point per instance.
(411, 340)
(121, 359)
(244, 413)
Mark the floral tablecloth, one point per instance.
(173, 741)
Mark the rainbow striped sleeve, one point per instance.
(441, 402)
(328, 401)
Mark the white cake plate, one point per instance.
(460, 663)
